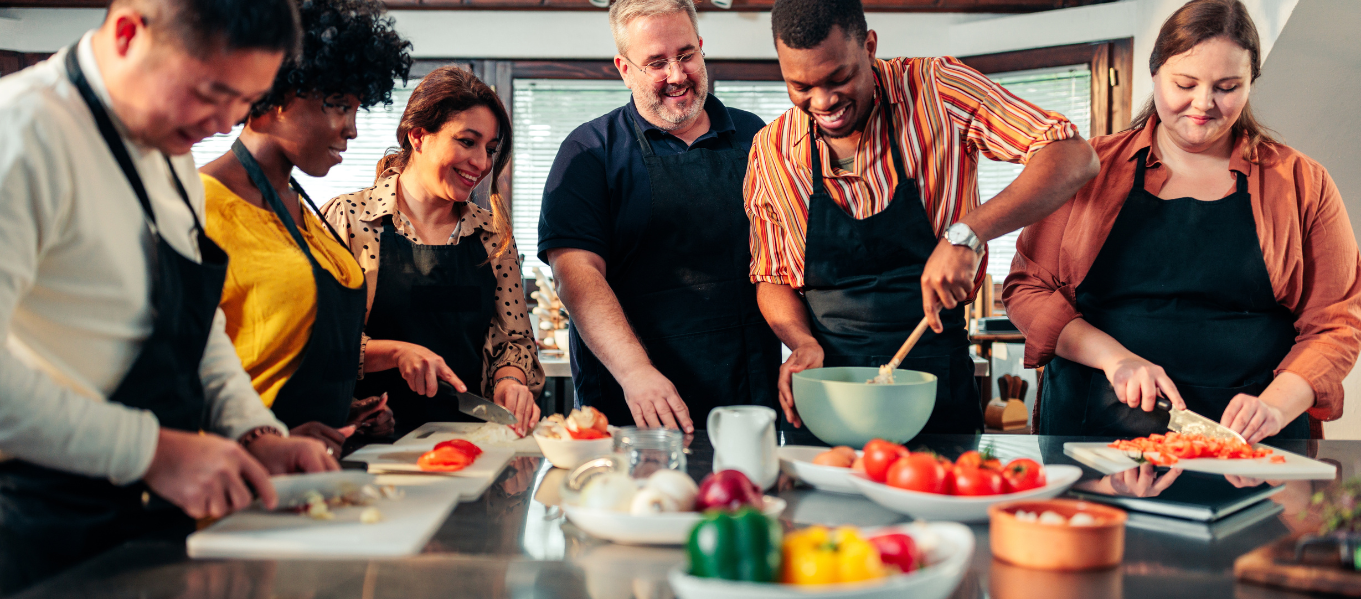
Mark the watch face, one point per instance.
(956, 235)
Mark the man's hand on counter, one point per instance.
(803, 357)
(207, 476)
(285, 455)
(654, 401)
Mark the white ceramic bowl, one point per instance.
(933, 506)
(797, 461)
(946, 567)
(660, 529)
(568, 454)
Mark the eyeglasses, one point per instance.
(689, 63)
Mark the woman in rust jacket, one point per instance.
(1207, 263)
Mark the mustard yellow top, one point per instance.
(270, 296)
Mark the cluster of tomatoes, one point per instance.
(449, 456)
(973, 474)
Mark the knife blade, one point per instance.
(294, 490)
(479, 407)
(1191, 423)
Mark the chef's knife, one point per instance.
(478, 407)
(295, 489)
(1191, 423)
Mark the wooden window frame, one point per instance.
(1110, 62)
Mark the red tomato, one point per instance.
(1023, 474)
(587, 434)
(974, 459)
(878, 456)
(917, 472)
(444, 459)
(898, 549)
(462, 445)
(977, 481)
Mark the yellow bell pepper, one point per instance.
(818, 556)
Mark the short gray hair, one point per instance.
(623, 12)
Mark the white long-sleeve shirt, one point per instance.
(76, 259)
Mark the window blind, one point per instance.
(545, 111)
(1065, 90)
(377, 128)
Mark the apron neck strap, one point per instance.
(887, 109)
(271, 197)
(116, 146)
(643, 143)
(267, 191)
(1140, 165)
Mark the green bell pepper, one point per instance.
(744, 545)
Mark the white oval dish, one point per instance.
(934, 506)
(946, 567)
(797, 461)
(660, 529)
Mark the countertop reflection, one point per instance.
(514, 542)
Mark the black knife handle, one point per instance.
(1164, 404)
(446, 387)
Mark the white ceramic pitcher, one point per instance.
(744, 439)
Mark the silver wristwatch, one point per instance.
(961, 234)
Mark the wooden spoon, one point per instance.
(885, 376)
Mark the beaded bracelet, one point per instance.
(256, 433)
(512, 378)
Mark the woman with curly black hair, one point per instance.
(294, 297)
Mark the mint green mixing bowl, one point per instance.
(841, 409)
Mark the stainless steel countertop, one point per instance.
(514, 543)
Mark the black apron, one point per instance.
(1182, 284)
(862, 286)
(440, 297)
(322, 388)
(51, 519)
(688, 293)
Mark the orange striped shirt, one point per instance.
(945, 114)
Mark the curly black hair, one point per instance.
(804, 24)
(348, 47)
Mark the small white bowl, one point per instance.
(571, 453)
(797, 461)
(659, 529)
(954, 508)
(937, 580)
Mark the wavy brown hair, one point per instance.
(443, 93)
(1200, 21)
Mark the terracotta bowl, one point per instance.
(1057, 547)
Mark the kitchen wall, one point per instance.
(1308, 94)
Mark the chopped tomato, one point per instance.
(463, 445)
(444, 459)
(1167, 449)
(586, 434)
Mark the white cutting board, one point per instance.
(1108, 460)
(406, 527)
(470, 482)
(431, 433)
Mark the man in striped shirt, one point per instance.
(863, 201)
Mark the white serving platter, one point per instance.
(659, 529)
(953, 508)
(797, 461)
(947, 566)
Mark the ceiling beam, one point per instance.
(993, 6)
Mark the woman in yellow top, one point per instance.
(294, 296)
